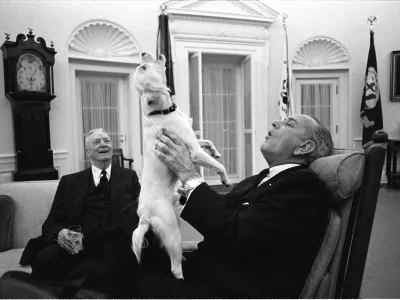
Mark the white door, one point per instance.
(101, 101)
(319, 98)
(220, 105)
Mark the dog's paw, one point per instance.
(216, 154)
(226, 183)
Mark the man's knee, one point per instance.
(87, 269)
(50, 262)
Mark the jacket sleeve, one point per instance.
(54, 222)
(279, 213)
(136, 186)
(127, 219)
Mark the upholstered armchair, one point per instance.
(354, 177)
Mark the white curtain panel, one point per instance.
(316, 102)
(100, 107)
(220, 114)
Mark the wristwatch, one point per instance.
(191, 184)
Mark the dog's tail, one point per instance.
(138, 240)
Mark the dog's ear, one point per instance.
(162, 59)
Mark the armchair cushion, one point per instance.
(341, 172)
(6, 222)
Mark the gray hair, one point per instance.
(90, 133)
(322, 139)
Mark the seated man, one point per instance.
(93, 199)
(260, 240)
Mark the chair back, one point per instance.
(354, 178)
(119, 160)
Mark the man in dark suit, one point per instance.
(94, 199)
(260, 240)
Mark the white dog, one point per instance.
(159, 184)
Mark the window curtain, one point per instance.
(316, 102)
(100, 107)
(220, 114)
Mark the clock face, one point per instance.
(31, 73)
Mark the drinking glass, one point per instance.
(75, 234)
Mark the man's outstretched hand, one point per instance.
(175, 154)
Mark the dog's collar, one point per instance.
(170, 109)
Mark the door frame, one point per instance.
(240, 155)
(341, 107)
(133, 123)
(121, 102)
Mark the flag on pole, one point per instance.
(164, 47)
(371, 107)
(286, 105)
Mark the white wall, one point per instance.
(344, 21)
(55, 21)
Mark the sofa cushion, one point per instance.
(9, 261)
(342, 173)
(6, 222)
(32, 200)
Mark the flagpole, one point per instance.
(371, 104)
(289, 82)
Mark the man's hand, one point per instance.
(174, 153)
(65, 242)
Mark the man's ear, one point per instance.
(305, 148)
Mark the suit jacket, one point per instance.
(68, 204)
(259, 242)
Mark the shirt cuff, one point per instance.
(188, 195)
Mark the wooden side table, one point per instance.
(393, 145)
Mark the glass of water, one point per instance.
(75, 234)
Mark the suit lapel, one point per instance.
(256, 191)
(116, 186)
(260, 177)
(80, 189)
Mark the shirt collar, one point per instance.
(97, 172)
(277, 169)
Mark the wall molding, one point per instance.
(8, 163)
(227, 11)
(321, 52)
(225, 28)
(103, 40)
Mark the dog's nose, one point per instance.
(143, 54)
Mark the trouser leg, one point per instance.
(110, 269)
(53, 262)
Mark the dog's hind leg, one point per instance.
(203, 159)
(174, 250)
(170, 236)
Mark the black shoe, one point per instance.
(22, 285)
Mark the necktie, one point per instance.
(260, 177)
(103, 184)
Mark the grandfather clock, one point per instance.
(28, 76)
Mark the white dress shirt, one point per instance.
(97, 174)
(276, 170)
(272, 172)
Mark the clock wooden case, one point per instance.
(29, 84)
